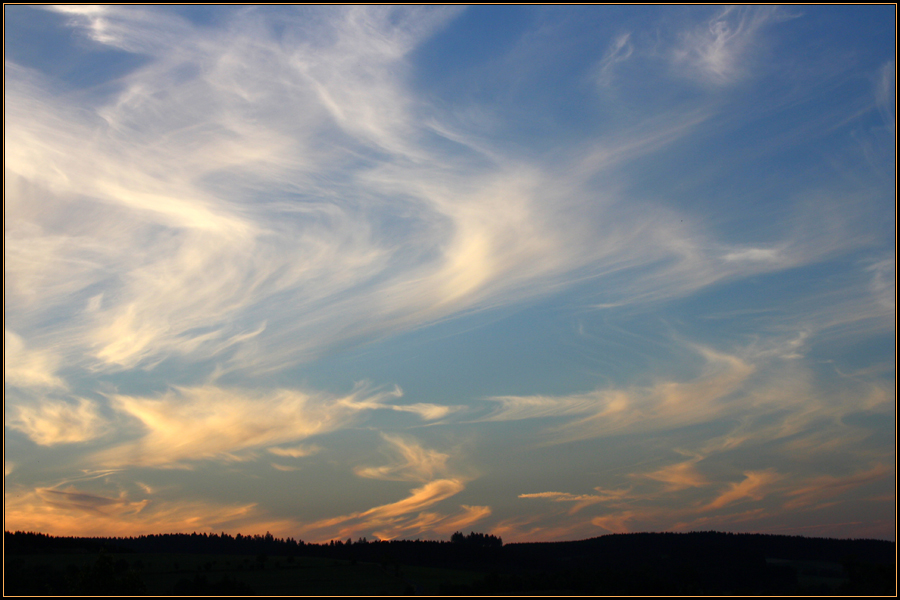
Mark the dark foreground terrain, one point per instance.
(703, 563)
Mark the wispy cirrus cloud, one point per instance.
(50, 422)
(827, 487)
(132, 30)
(296, 451)
(759, 497)
(409, 461)
(580, 500)
(619, 51)
(198, 203)
(616, 411)
(755, 486)
(883, 284)
(679, 476)
(28, 367)
(73, 511)
(72, 498)
(300, 451)
(717, 51)
(886, 94)
(764, 403)
(749, 385)
(262, 195)
(406, 516)
(211, 422)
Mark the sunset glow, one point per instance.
(541, 272)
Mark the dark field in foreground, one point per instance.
(648, 563)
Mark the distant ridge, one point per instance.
(702, 542)
(771, 545)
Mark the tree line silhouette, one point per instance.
(642, 563)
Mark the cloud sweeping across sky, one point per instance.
(541, 272)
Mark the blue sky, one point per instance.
(543, 272)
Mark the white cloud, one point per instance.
(754, 255)
(178, 259)
(357, 76)
(260, 200)
(718, 50)
(619, 51)
(132, 29)
(51, 422)
(24, 367)
(883, 285)
(885, 96)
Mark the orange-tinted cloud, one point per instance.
(825, 487)
(71, 511)
(755, 486)
(678, 476)
(389, 520)
(580, 500)
(212, 422)
(296, 451)
(462, 520)
(614, 523)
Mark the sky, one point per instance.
(547, 273)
